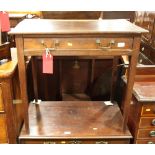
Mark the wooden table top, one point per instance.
(47, 26)
(75, 119)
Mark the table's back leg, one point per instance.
(114, 78)
(34, 76)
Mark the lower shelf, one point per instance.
(75, 122)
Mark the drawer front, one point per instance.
(3, 129)
(1, 100)
(148, 110)
(78, 43)
(146, 122)
(77, 141)
(147, 141)
(146, 133)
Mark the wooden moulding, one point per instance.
(80, 52)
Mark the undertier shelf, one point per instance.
(75, 119)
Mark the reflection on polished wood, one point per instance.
(76, 27)
(75, 119)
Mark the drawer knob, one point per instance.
(101, 142)
(152, 133)
(150, 142)
(153, 122)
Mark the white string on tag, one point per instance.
(47, 52)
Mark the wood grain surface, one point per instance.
(74, 119)
(46, 26)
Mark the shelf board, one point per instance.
(74, 119)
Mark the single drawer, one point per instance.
(146, 133)
(3, 129)
(146, 122)
(146, 141)
(75, 141)
(1, 100)
(148, 110)
(78, 43)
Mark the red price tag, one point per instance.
(4, 21)
(47, 63)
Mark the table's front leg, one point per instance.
(130, 79)
(22, 78)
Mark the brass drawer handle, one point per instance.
(49, 142)
(111, 43)
(101, 142)
(51, 48)
(152, 133)
(153, 122)
(150, 142)
(75, 142)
